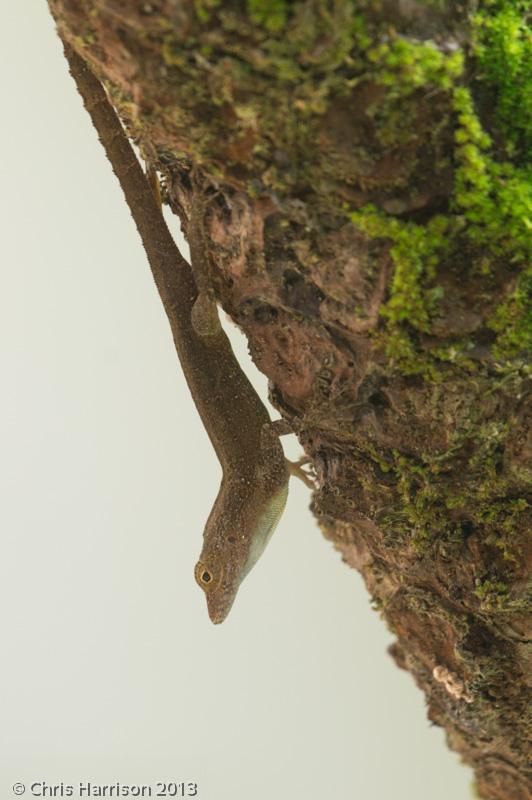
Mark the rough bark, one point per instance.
(370, 237)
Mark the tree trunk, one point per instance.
(371, 234)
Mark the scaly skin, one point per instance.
(254, 485)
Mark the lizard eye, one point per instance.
(204, 576)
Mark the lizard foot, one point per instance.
(296, 468)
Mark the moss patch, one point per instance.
(490, 211)
(270, 13)
(415, 252)
(502, 47)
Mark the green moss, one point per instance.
(423, 518)
(495, 198)
(492, 502)
(172, 51)
(204, 9)
(502, 46)
(327, 38)
(491, 213)
(513, 319)
(430, 510)
(492, 593)
(314, 36)
(421, 504)
(369, 449)
(404, 66)
(496, 201)
(416, 251)
(269, 13)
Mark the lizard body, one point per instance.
(255, 477)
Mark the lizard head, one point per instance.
(220, 584)
(235, 536)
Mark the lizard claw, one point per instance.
(296, 468)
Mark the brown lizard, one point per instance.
(254, 485)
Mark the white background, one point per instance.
(112, 670)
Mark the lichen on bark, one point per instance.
(372, 235)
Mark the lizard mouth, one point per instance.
(219, 605)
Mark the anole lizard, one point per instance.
(254, 485)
